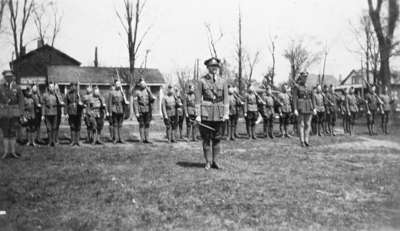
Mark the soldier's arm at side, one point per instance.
(295, 99)
(226, 102)
(136, 102)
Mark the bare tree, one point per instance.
(130, 19)
(3, 4)
(272, 51)
(299, 57)
(212, 40)
(239, 53)
(252, 62)
(384, 26)
(47, 17)
(17, 24)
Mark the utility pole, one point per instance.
(96, 60)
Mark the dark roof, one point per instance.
(358, 74)
(46, 48)
(100, 75)
(313, 80)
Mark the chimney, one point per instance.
(40, 43)
(96, 61)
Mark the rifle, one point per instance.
(126, 102)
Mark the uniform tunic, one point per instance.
(74, 110)
(372, 102)
(267, 109)
(286, 106)
(142, 102)
(169, 106)
(302, 99)
(116, 104)
(319, 102)
(351, 104)
(212, 104)
(387, 102)
(49, 106)
(38, 109)
(190, 108)
(11, 107)
(97, 111)
(29, 114)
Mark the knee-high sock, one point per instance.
(206, 149)
(216, 149)
(6, 143)
(12, 142)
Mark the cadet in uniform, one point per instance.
(352, 110)
(49, 113)
(331, 107)
(180, 112)
(143, 101)
(86, 114)
(386, 107)
(38, 112)
(234, 104)
(29, 116)
(60, 105)
(73, 110)
(212, 109)
(190, 113)
(97, 111)
(285, 111)
(320, 108)
(116, 105)
(303, 108)
(267, 112)
(251, 112)
(169, 107)
(372, 104)
(11, 107)
(109, 117)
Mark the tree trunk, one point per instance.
(384, 71)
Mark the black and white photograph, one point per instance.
(199, 115)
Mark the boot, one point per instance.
(111, 130)
(369, 129)
(248, 131)
(232, 135)
(253, 132)
(173, 135)
(169, 135)
(94, 139)
(193, 133)
(333, 131)
(373, 130)
(114, 135)
(141, 133)
(146, 136)
(56, 137)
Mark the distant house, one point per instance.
(32, 67)
(103, 77)
(357, 79)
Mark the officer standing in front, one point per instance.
(303, 108)
(11, 106)
(213, 109)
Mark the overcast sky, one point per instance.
(178, 35)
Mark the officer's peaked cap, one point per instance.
(212, 62)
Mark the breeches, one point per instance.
(252, 117)
(171, 122)
(371, 117)
(117, 119)
(9, 126)
(75, 122)
(51, 122)
(144, 119)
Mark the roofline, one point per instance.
(45, 46)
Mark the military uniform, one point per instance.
(319, 101)
(190, 112)
(60, 105)
(304, 104)
(251, 113)
(267, 113)
(212, 106)
(29, 114)
(352, 110)
(142, 101)
(234, 105)
(169, 107)
(49, 105)
(387, 107)
(38, 114)
(74, 108)
(116, 104)
(372, 107)
(96, 112)
(285, 110)
(331, 107)
(11, 108)
(180, 115)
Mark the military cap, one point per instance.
(8, 73)
(212, 62)
(303, 74)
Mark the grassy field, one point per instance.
(340, 183)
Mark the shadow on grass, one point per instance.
(185, 164)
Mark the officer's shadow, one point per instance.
(186, 164)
